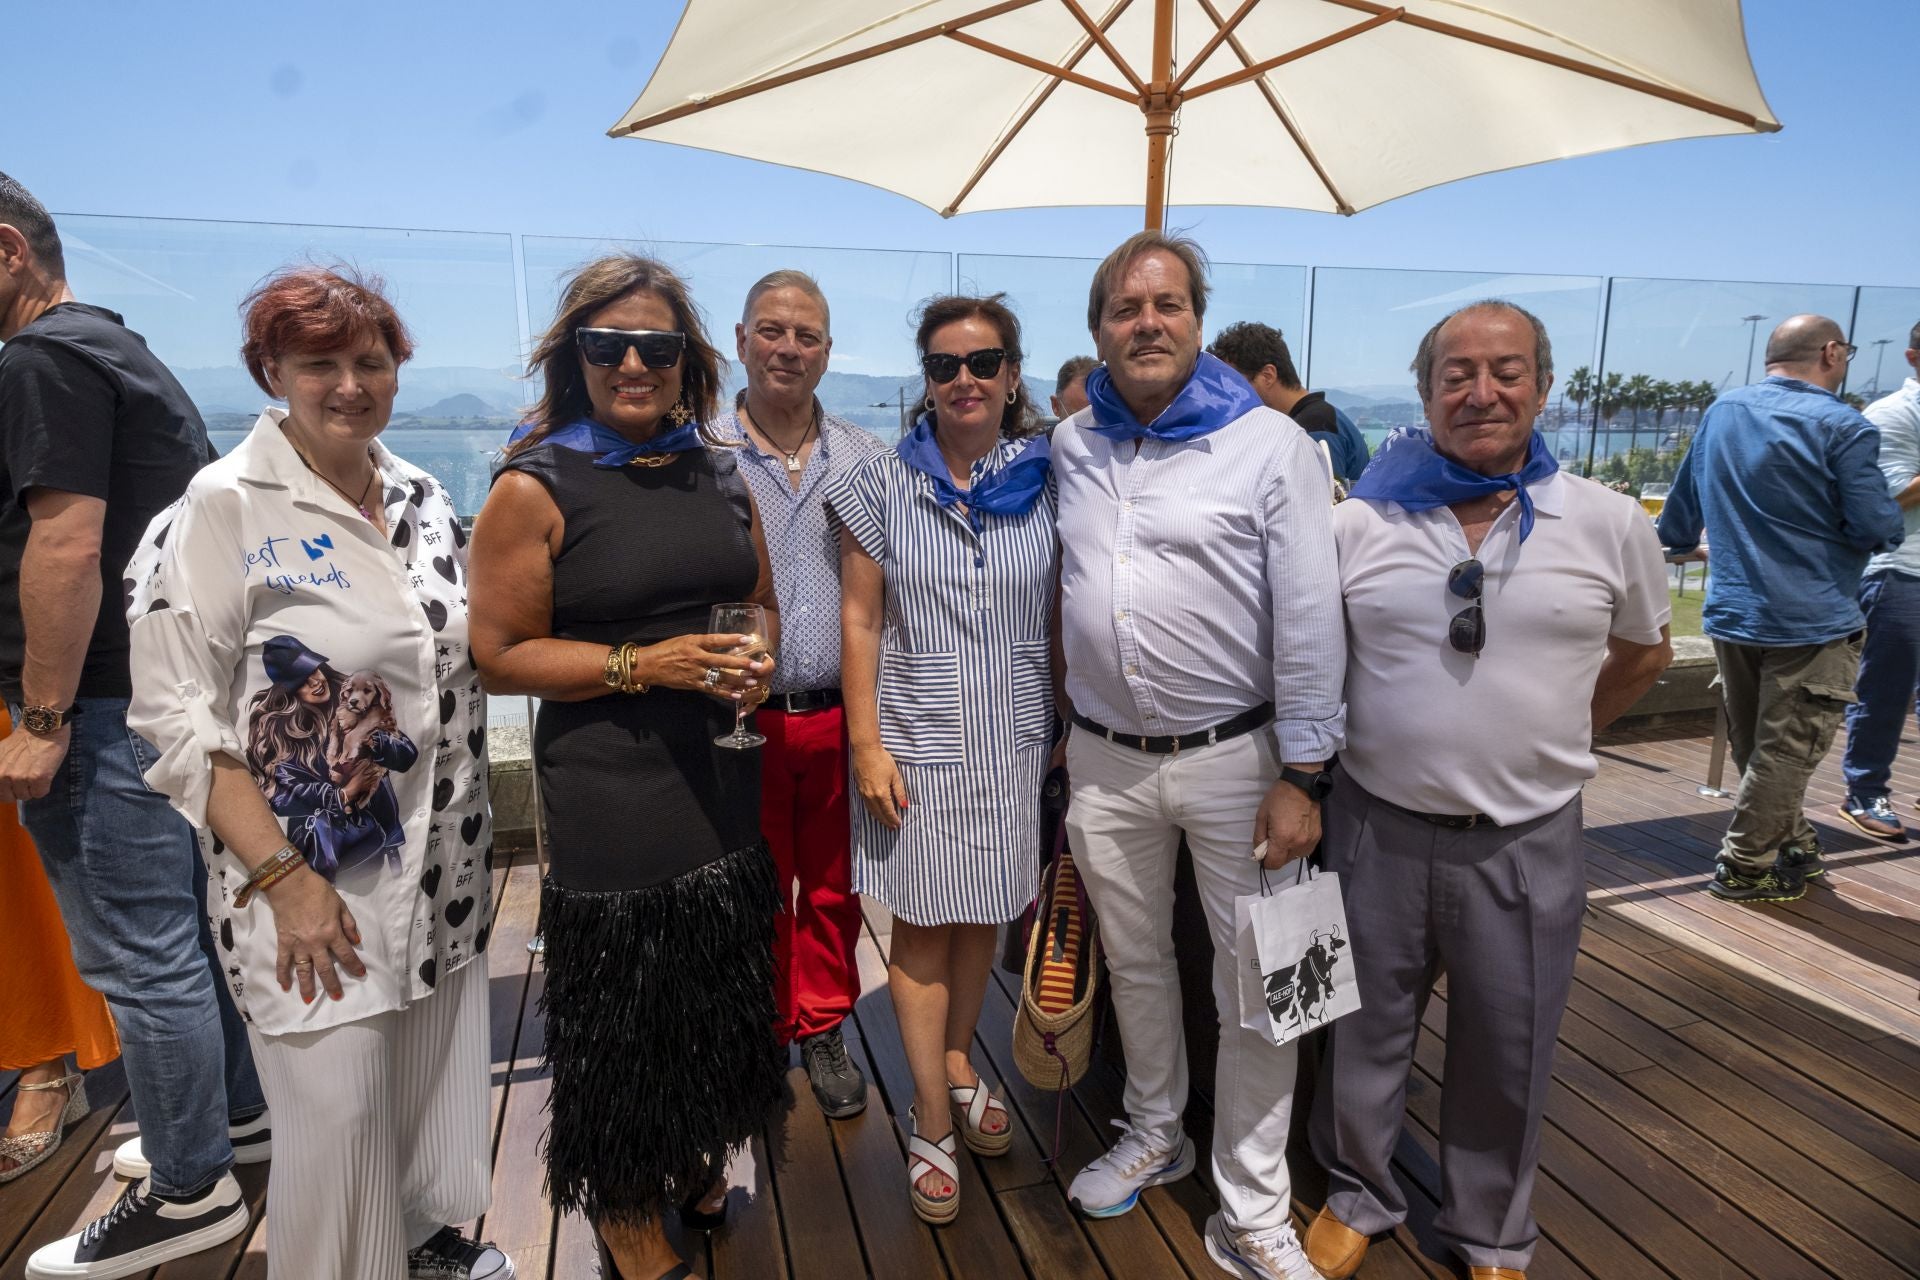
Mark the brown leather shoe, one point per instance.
(1333, 1247)
(1496, 1273)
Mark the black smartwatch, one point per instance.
(1316, 785)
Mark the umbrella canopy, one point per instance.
(1331, 105)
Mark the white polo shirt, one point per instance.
(1510, 733)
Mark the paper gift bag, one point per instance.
(1294, 956)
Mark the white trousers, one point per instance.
(381, 1133)
(1124, 822)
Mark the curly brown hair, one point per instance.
(602, 282)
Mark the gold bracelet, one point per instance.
(629, 652)
(614, 675)
(269, 873)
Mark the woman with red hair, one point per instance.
(299, 626)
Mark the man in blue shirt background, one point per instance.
(1784, 477)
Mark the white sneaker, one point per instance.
(1263, 1255)
(1112, 1184)
(252, 1144)
(140, 1232)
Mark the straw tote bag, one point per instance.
(1053, 1029)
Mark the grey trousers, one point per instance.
(1498, 910)
(1783, 706)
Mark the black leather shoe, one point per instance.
(838, 1086)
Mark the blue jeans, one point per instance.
(1889, 669)
(126, 871)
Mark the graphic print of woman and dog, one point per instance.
(321, 744)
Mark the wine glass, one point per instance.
(749, 620)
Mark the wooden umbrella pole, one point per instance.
(1160, 104)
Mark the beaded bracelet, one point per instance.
(269, 873)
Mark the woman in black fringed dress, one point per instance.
(611, 531)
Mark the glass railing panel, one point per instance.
(1884, 327)
(179, 283)
(872, 294)
(1671, 346)
(1367, 325)
(1050, 297)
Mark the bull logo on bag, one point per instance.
(1299, 992)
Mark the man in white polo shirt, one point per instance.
(1499, 612)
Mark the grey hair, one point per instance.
(1107, 275)
(1422, 365)
(788, 278)
(21, 211)
(1076, 367)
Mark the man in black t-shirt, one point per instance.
(1260, 353)
(96, 437)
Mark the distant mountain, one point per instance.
(463, 405)
(423, 390)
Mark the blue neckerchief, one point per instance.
(1215, 395)
(1010, 491)
(614, 449)
(1410, 471)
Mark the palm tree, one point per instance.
(1666, 396)
(1607, 401)
(1636, 394)
(1578, 388)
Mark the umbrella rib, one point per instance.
(1033, 108)
(1221, 33)
(1292, 55)
(1620, 79)
(707, 102)
(1043, 66)
(1340, 203)
(1099, 33)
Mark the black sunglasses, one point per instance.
(1467, 633)
(606, 348)
(942, 368)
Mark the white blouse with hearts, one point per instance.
(273, 622)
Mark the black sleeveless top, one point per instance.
(634, 789)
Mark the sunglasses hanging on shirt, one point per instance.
(1467, 633)
(942, 368)
(607, 348)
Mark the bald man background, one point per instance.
(1784, 477)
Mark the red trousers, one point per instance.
(803, 812)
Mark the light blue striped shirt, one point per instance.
(1199, 579)
(1898, 418)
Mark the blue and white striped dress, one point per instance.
(965, 693)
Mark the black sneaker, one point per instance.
(1875, 816)
(1805, 859)
(1775, 884)
(451, 1256)
(142, 1231)
(838, 1086)
(252, 1140)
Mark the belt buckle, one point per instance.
(1143, 742)
(1176, 746)
(1473, 820)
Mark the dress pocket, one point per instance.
(1032, 686)
(920, 708)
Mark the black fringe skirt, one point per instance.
(659, 1025)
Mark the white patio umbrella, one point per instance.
(1333, 105)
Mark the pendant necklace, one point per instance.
(793, 455)
(359, 504)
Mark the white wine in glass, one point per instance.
(749, 620)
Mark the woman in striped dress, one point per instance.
(948, 562)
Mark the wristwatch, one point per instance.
(45, 720)
(1316, 785)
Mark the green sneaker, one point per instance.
(1804, 858)
(1775, 884)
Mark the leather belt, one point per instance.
(803, 700)
(1457, 821)
(1168, 745)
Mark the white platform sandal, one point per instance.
(972, 1104)
(925, 1157)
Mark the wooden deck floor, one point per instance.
(1737, 1095)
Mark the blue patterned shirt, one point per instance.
(802, 544)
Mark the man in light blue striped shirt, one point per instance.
(1890, 599)
(1205, 650)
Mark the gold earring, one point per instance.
(929, 404)
(1013, 393)
(681, 414)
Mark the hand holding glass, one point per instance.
(749, 621)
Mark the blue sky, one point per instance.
(482, 116)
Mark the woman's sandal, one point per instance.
(925, 1157)
(694, 1218)
(972, 1104)
(29, 1149)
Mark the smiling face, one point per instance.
(316, 692)
(336, 397)
(1149, 336)
(970, 404)
(631, 398)
(783, 346)
(1485, 390)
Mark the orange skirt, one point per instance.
(45, 1010)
